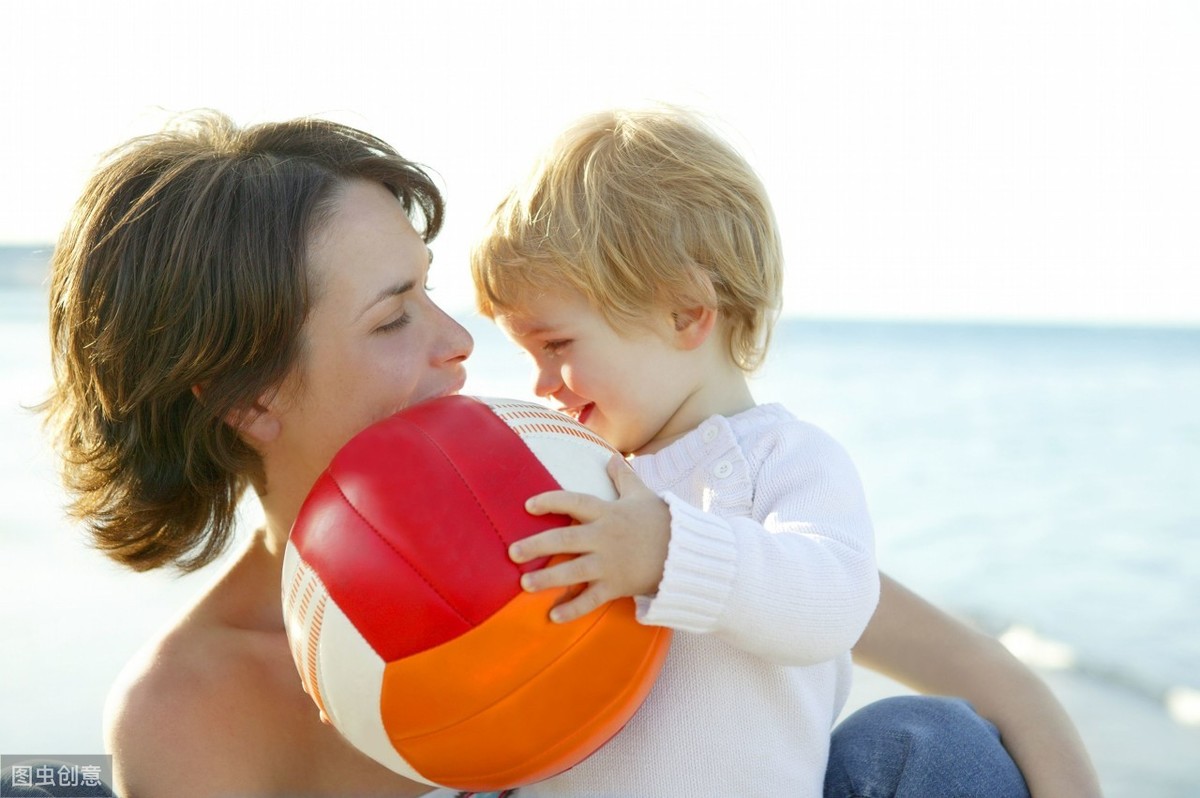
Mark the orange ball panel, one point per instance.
(474, 708)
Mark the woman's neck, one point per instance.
(280, 512)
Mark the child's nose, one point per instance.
(547, 382)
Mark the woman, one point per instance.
(228, 307)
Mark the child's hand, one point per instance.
(621, 545)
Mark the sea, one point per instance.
(1040, 481)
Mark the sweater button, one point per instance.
(722, 469)
(710, 433)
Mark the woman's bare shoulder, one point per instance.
(214, 706)
(187, 708)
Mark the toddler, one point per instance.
(640, 267)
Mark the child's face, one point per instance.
(630, 389)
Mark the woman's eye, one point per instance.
(400, 321)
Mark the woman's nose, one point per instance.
(456, 343)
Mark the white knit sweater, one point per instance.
(770, 579)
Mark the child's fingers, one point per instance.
(580, 506)
(574, 539)
(619, 471)
(587, 601)
(624, 478)
(575, 571)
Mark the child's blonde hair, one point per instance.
(640, 211)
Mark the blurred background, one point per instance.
(990, 215)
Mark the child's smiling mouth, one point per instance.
(581, 412)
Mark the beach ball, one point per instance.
(406, 618)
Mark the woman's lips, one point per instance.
(452, 389)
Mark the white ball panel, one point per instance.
(575, 464)
(574, 455)
(336, 663)
(350, 675)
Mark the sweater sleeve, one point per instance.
(795, 583)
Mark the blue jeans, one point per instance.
(920, 747)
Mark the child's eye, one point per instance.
(554, 347)
(400, 321)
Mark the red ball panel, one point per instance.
(410, 524)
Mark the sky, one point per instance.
(1012, 161)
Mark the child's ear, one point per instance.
(693, 325)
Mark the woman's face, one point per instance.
(374, 341)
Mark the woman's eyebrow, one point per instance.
(391, 291)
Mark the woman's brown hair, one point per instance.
(179, 289)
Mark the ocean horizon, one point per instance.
(1038, 479)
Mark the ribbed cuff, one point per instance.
(699, 572)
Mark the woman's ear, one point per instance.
(257, 422)
(693, 326)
